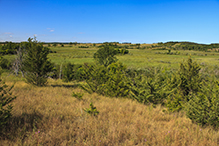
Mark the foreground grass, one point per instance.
(51, 116)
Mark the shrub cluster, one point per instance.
(185, 89)
(72, 72)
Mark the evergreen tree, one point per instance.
(203, 108)
(5, 107)
(36, 63)
(187, 81)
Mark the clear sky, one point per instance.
(136, 21)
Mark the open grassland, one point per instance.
(137, 58)
(51, 116)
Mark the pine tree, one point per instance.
(5, 107)
(203, 108)
(187, 81)
(36, 63)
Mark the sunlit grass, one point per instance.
(51, 116)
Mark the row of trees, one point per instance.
(188, 46)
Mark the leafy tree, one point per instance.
(106, 55)
(36, 64)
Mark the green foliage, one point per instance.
(79, 95)
(185, 82)
(122, 51)
(55, 72)
(92, 110)
(9, 48)
(36, 64)
(203, 107)
(54, 45)
(72, 72)
(149, 88)
(83, 46)
(188, 46)
(5, 107)
(4, 63)
(110, 81)
(106, 55)
(68, 73)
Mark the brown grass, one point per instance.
(51, 116)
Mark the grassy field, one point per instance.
(137, 58)
(51, 116)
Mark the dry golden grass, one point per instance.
(51, 116)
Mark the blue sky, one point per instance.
(136, 21)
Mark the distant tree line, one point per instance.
(188, 46)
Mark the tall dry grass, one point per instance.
(51, 116)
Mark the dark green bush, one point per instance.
(186, 81)
(55, 72)
(4, 63)
(110, 81)
(68, 72)
(72, 72)
(203, 107)
(149, 88)
(5, 107)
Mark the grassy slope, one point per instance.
(51, 116)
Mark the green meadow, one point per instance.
(137, 58)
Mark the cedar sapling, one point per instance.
(36, 64)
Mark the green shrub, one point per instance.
(68, 73)
(186, 81)
(5, 107)
(4, 63)
(110, 81)
(55, 72)
(72, 72)
(92, 110)
(149, 89)
(203, 107)
(79, 95)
